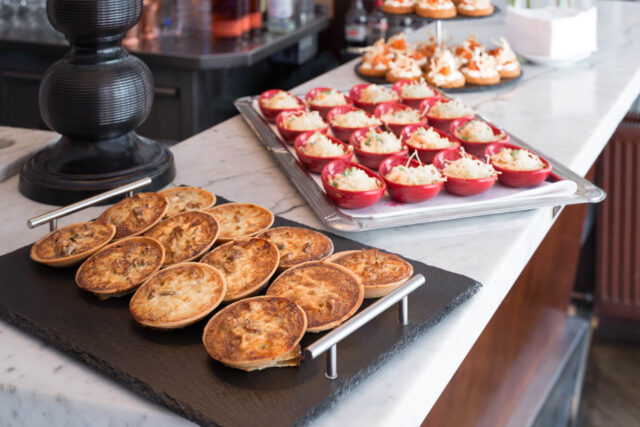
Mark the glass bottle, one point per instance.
(280, 15)
(355, 26)
(377, 24)
(227, 19)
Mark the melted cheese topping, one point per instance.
(450, 110)
(280, 101)
(136, 214)
(73, 240)
(380, 142)
(354, 119)
(429, 139)
(320, 145)
(417, 90)
(298, 245)
(185, 236)
(478, 131)
(246, 264)
(327, 293)
(303, 121)
(178, 295)
(405, 116)
(375, 268)
(241, 219)
(467, 167)
(376, 94)
(517, 160)
(183, 199)
(419, 175)
(355, 179)
(328, 98)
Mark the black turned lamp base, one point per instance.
(68, 171)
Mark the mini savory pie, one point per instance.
(185, 236)
(178, 296)
(477, 130)
(354, 119)
(378, 141)
(376, 94)
(183, 199)
(414, 175)
(328, 98)
(247, 265)
(449, 110)
(303, 121)
(417, 56)
(398, 43)
(119, 268)
(397, 6)
(328, 293)
(427, 138)
(354, 179)
(436, 9)
(280, 101)
(71, 244)
(443, 71)
(464, 52)
(298, 245)
(241, 220)
(256, 333)
(481, 69)
(379, 272)
(376, 60)
(136, 214)
(404, 68)
(506, 61)
(517, 160)
(475, 7)
(427, 48)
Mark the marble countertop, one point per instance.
(568, 113)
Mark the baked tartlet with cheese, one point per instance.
(475, 7)
(71, 244)
(328, 293)
(298, 245)
(119, 268)
(239, 220)
(186, 236)
(398, 7)
(247, 265)
(136, 214)
(256, 333)
(178, 296)
(183, 199)
(380, 272)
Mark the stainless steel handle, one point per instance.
(52, 217)
(330, 341)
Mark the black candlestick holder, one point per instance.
(95, 97)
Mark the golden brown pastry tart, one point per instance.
(379, 272)
(178, 296)
(185, 236)
(328, 293)
(71, 244)
(183, 199)
(119, 268)
(247, 265)
(298, 245)
(241, 220)
(256, 333)
(135, 215)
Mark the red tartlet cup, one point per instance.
(290, 135)
(350, 199)
(518, 179)
(438, 123)
(341, 132)
(272, 113)
(371, 160)
(315, 163)
(323, 110)
(425, 154)
(406, 193)
(354, 94)
(393, 106)
(459, 186)
(476, 148)
(413, 102)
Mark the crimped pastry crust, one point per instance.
(135, 215)
(328, 293)
(185, 236)
(119, 268)
(256, 333)
(475, 12)
(239, 220)
(183, 199)
(449, 85)
(298, 245)
(247, 265)
(380, 272)
(71, 244)
(178, 296)
(427, 12)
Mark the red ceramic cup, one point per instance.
(341, 132)
(406, 193)
(355, 94)
(370, 160)
(350, 199)
(518, 179)
(476, 148)
(438, 123)
(459, 186)
(425, 154)
(272, 113)
(412, 102)
(393, 106)
(290, 135)
(316, 163)
(323, 110)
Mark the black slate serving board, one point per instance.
(173, 369)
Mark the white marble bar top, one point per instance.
(568, 114)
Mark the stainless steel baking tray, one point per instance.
(340, 220)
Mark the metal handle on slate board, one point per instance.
(330, 341)
(52, 217)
